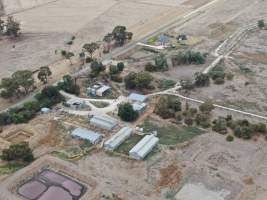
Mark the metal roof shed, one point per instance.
(103, 122)
(102, 90)
(137, 97)
(144, 147)
(85, 134)
(117, 139)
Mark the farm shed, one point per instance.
(75, 104)
(144, 147)
(139, 107)
(117, 139)
(103, 122)
(85, 134)
(98, 90)
(137, 97)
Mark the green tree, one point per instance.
(12, 27)
(127, 113)
(113, 69)
(161, 63)
(18, 152)
(261, 24)
(24, 79)
(91, 48)
(69, 85)
(129, 80)
(120, 35)
(97, 67)
(9, 88)
(206, 107)
(108, 39)
(44, 73)
(2, 26)
(201, 79)
(143, 80)
(120, 66)
(67, 55)
(220, 125)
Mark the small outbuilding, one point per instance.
(75, 104)
(143, 147)
(86, 134)
(116, 140)
(139, 107)
(106, 123)
(45, 110)
(137, 97)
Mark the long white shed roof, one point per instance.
(117, 139)
(103, 122)
(144, 147)
(86, 134)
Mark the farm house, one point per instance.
(143, 147)
(117, 139)
(103, 122)
(85, 134)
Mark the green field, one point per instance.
(126, 146)
(170, 134)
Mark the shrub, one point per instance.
(188, 121)
(229, 138)
(229, 76)
(179, 116)
(220, 126)
(206, 106)
(150, 67)
(116, 78)
(219, 81)
(120, 66)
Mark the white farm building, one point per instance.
(143, 147)
(103, 122)
(117, 139)
(85, 134)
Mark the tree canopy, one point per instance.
(127, 113)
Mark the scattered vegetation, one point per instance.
(188, 58)
(139, 80)
(167, 106)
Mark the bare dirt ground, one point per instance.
(234, 170)
(47, 26)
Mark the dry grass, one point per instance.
(170, 176)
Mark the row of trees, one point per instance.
(10, 27)
(22, 82)
(48, 97)
(189, 57)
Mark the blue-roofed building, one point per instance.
(86, 134)
(139, 107)
(137, 97)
